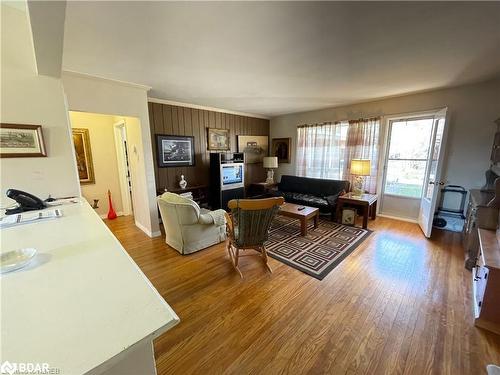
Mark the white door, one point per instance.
(123, 166)
(432, 182)
(407, 152)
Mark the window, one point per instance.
(320, 150)
(409, 141)
(326, 150)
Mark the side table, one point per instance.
(366, 202)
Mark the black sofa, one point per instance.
(312, 192)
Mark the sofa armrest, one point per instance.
(216, 217)
(205, 219)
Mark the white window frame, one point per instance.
(385, 130)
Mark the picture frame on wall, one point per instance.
(281, 148)
(175, 150)
(254, 147)
(83, 154)
(21, 141)
(218, 139)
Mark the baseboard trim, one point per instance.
(147, 231)
(157, 234)
(399, 218)
(143, 228)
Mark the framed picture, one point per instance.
(280, 147)
(175, 150)
(83, 154)
(21, 141)
(255, 147)
(218, 139)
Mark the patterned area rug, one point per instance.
(320, 251)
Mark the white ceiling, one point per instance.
(272, 58)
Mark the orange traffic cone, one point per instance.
(111, 212)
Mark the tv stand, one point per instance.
(222, 190)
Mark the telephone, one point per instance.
(26, 202)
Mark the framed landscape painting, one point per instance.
(83, 154)
(218, 139)
(255, 147)
(175, 150)
(18, 141)
(280, 147)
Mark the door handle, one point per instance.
(441, 183)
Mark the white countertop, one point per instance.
(81, 301)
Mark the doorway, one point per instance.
(108, 156)
(406, 164)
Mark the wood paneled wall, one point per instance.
(175, 120)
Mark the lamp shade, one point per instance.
(270, 162)
(360, 167)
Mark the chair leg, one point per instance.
(264, 257)
(236, 262)
(234, 254)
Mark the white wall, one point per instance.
(104, 160)
(28, 98)
(471, 112)
(97, 95)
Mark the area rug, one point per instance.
(317, 253)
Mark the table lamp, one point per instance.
(359, 168)
(270, 162)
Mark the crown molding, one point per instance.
(206, 108)
(99, 78)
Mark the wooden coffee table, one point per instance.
(292, 210)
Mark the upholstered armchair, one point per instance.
(187, 227)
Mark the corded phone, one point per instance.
(26, 202)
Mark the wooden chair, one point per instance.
(248, 226)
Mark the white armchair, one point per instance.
(187, 227)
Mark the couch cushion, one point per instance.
(332, 199)
(311, 200)
(305, 199)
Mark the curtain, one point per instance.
(320, 150)
(326, 150)
(363, 137)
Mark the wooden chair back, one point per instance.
(251, 220)
(255, 204)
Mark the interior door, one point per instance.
(433, 181)
(123, 166)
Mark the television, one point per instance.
(232, 175)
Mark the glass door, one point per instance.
(433, 174)
(405, 166)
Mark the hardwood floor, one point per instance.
(399, 304)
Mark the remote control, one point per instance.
(301, 208)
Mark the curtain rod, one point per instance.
(339, 122)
